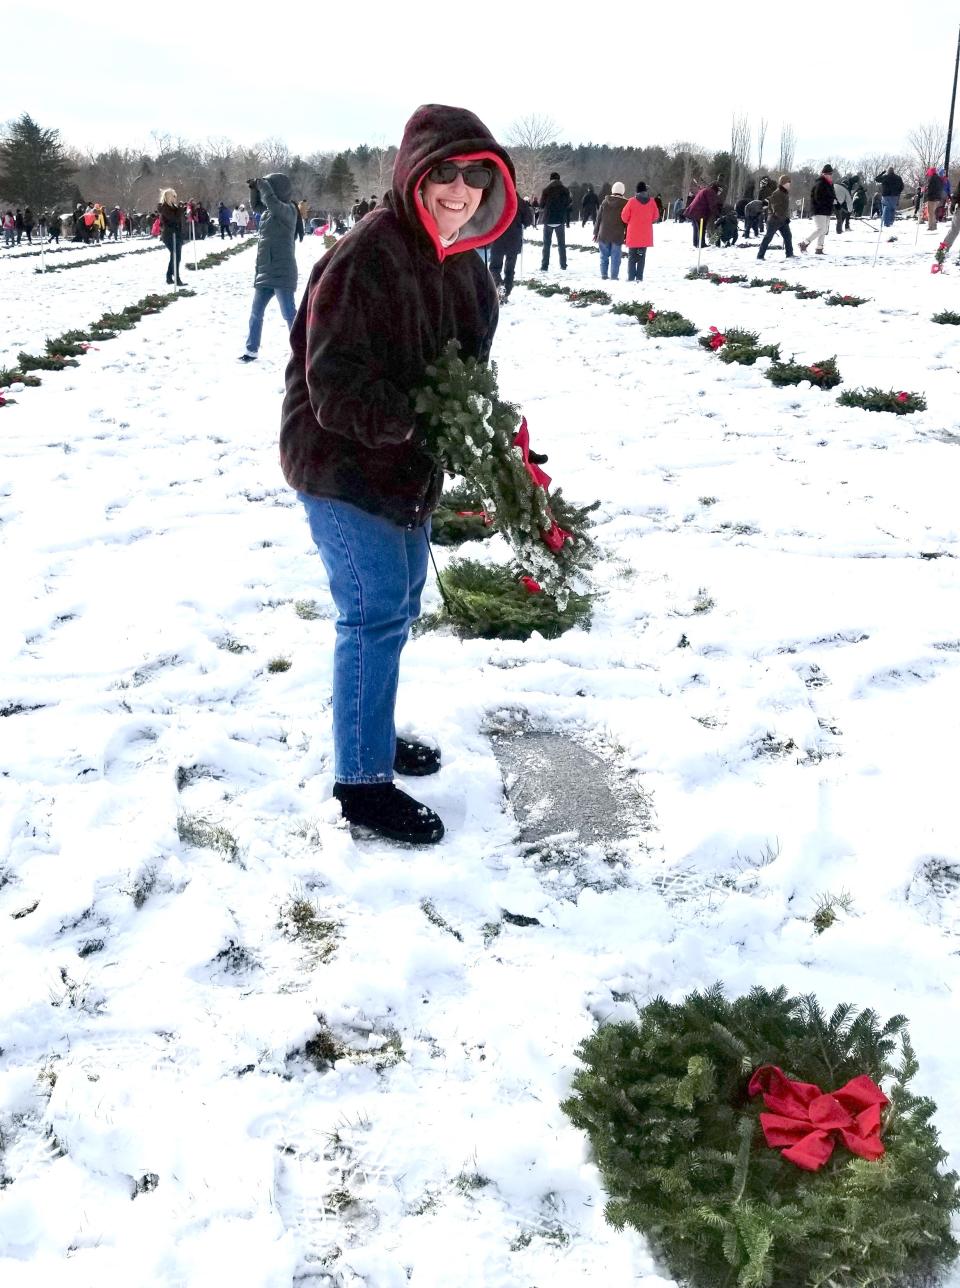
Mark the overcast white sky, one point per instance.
(851, 77)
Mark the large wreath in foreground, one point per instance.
(752, 1143)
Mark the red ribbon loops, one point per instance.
(555, 536)
(807, 1123)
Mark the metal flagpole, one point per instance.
(953, 104)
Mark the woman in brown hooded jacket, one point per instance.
(378, 309)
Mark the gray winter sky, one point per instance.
(851, 78)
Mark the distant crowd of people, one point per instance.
(763, 211)
(92, 223)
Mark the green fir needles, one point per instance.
(682, 1153)
(667, 324)
(471, 432)
(900, 401)
(460, 517)
(947, 317)
(494, 603)
(823, 374)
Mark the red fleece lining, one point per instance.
(470, 243)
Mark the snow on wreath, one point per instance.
(751, 1142)
(472, 432)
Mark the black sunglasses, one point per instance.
(475, 175)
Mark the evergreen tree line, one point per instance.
(39, 170)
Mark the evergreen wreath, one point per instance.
(671, 1106)
(901, 402)
(471, 432)
(460, 517)
(946, 318)
(845, 301)
(492, 602)
(667, 324)
(824, 374)
(638, 309)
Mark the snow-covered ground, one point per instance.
(801, 743)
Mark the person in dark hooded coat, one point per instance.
(276, 270)
(504, 251)
(379, 307)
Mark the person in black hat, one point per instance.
(555, 206)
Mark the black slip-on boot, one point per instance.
(415, 759)
(386, 810)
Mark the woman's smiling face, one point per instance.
(451, 204)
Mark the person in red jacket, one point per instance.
(639, 214)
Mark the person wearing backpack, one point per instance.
(778, 218)
(639, 214)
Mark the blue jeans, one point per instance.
(262, 295)
(376, 571)
(889, 207)
(610, 253)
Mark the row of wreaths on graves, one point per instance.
(501, 486)
(475, 435)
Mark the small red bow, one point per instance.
(935, 268)
(717, 339)
(476, 514)
(816, 371)
(555, 536)
(902, 396)
(533, 587)
(651, 315)
(808, 1121)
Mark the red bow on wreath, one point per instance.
(555, 536)
(808, 1121)
(717, 338)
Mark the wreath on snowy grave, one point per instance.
(752, 1144)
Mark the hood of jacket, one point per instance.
(643, 198)
(281, 185)
(437, 133)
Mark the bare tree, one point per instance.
(927, 145)
(761, 140)
(788, 146)
(740, 135)
(531, 141)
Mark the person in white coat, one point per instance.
(241, 217)
(844, 206)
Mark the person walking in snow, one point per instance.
(821, 204)
(639, 214)
(223, 219)
(275, 273)
(171, 213)
(678, 210)
(891, 188)
(843, 197)
(555, 207)
(378, 309)
(589, 205)
(703, 210)
(610, 232)
(778, 218)
(241, 217)
(504, 251)
(933, 195)
(9, 230)
(18, 220)
(113, 223)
